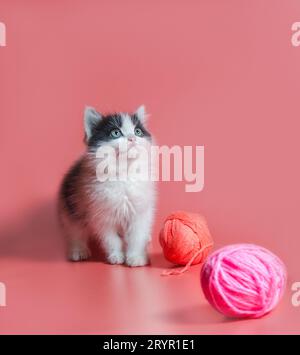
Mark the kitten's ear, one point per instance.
(141, 114)
(91, 119)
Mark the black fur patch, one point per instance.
(134, 119)
(101, 133)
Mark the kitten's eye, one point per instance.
(138, 132)
(115, 133)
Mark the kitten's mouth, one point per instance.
(132, 151)
(122, 148)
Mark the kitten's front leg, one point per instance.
(137, 239)
(113, 247)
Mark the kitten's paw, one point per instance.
(79, 254)
(137, 260)
(116, 258)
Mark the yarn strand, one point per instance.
(187, 266)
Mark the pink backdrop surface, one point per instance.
(222, 74)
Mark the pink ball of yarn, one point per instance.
(243, 280)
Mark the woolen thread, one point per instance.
(185, 239)
(243, 280)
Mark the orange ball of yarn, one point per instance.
(185, 239)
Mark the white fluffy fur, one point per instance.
(118, 213)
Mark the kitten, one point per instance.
(117, 213)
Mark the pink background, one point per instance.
(222, 74)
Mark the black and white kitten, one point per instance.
(117, 213)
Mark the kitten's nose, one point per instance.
(131, 138)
